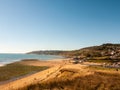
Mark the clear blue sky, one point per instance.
(27, 25)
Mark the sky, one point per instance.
(28, 25)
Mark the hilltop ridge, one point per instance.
(106, 51)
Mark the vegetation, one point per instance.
(100, 61)
(14, 70)
(105, 52)
(96, 81)
(104, 68)
(101, 79)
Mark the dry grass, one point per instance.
(66, 81)
(15, 70)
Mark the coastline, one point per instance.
(30, 63)
(49, 63)
(1, 65)
(52, 64)
(58, 68)
(27, 61)
(18, 70)
(11, 58)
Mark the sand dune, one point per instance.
(57, 69)
(43, 75)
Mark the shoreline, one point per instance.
(1, 65)
(57, 67)
(49, 63)
(11, 58)
(41, 60)
(34, 63)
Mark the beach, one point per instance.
(55, 66)
(59, 69)
(50, 63)
(29, 79)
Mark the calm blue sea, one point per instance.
(9, 58)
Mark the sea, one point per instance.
(10, 58)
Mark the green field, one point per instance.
(14, 70)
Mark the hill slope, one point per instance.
(111, 51)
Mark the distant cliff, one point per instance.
(48, 52)
(106, 50)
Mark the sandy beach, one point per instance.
(50, 63)
(1, 65)
(57, 66)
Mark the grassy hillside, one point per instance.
(70, 81)
(105, 52)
